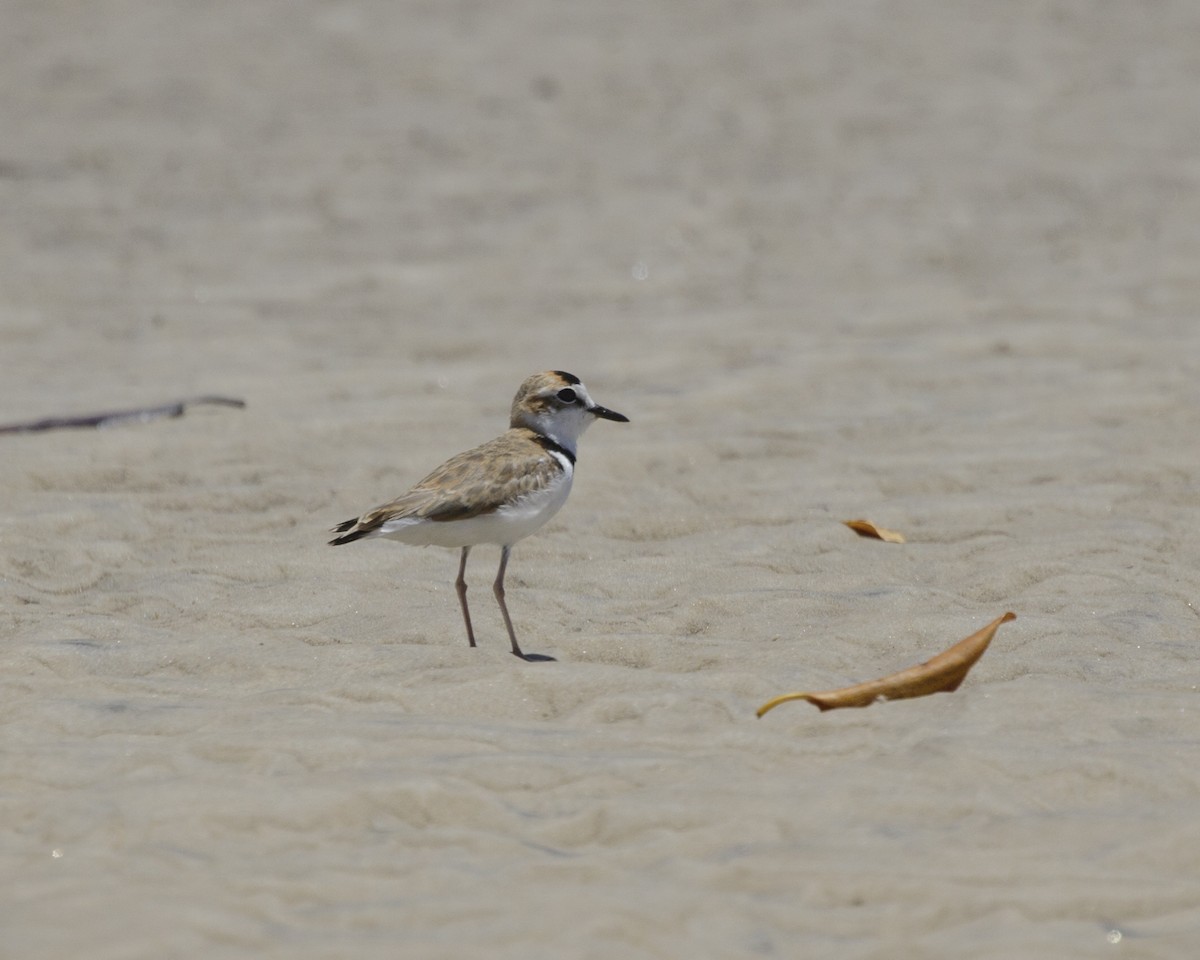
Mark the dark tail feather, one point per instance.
(349, 537)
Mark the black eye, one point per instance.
(567, 396)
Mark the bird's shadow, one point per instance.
(538, 658)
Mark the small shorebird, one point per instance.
(499, 492)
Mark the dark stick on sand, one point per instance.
(113, 418)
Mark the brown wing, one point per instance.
(467, 485)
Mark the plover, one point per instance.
(499, 492)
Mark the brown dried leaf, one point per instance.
(941, 674)
(865, 528)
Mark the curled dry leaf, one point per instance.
(865, 528)
(943, 673)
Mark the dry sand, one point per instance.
(935, 265)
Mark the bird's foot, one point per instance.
(535, 657)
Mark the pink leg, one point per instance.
(461, 586)
(498, 590)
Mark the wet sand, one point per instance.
(931, 266)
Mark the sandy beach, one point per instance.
(932, 265)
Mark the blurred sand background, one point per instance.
(932, 264)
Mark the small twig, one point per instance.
(115, 417)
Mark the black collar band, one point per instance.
(555, 447)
